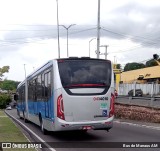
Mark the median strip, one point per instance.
(31, 132)
(10, 133)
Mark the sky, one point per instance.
(28, 31)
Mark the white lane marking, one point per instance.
(138, 125)
(40, 139)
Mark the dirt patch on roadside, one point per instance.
(123, 111)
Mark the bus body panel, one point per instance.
(86, 108)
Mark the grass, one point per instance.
(2, 113)
(9, 132)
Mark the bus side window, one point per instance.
(19, 92)
(43, 87)
(23, 93)
(47, 84)
(39, 88)
(35, 89)
(30, 91)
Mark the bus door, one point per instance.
(47, 90)
(35, 96)
(22, 99)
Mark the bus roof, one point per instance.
(82, 58)
(50, 62)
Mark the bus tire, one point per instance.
(84, 131)
(24, 118)
(43, 130)
(18, 114)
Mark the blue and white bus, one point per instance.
(69, 94)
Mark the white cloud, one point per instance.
(27, 11)
(127, 24)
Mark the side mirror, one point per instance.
(16, 97)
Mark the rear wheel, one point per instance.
(18, 113)
(84, 131)
(43, 130)
(24, 118)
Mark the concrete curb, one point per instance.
(30, 131)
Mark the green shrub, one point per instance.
(4, 100)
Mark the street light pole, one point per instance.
(58, 31)
(67, 28)
(25, 71)
(98, 29)
(89, 45)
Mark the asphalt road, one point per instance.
(123, 132)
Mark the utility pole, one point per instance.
(98, 30)
(67, 28)
(26, 93)
(58, 31)
(106, 46)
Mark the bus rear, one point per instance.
(84, 94)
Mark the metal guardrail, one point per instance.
(157, 98)
(151, 102)
(142, 97)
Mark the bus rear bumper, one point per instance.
(87, 125)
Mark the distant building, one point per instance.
(145, 75)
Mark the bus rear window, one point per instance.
(85, 73)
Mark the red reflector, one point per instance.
(87, 127)
(108, 123)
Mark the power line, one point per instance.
(23, 42)
(131, 37)
(49, 35)
(14, 42)
(72, 33)
(133, 48)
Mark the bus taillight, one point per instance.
(60, 108)
(111, 113)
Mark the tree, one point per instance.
(9, 85)
(151, 63)
(3, 70)
(4, 100)
(133, 66)
(118, 66)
